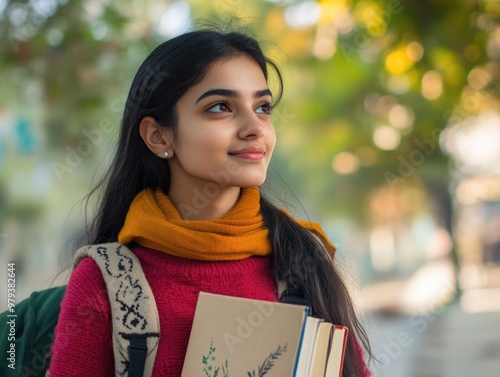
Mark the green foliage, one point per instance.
(82, 56)
(208, 363)
(268, 362)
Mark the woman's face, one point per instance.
(224, 133)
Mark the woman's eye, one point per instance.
(218, 108)
(265, 108)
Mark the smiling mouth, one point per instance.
(252, 154)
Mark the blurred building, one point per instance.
(473, 143)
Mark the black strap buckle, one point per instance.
(137, 353)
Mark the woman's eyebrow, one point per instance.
(263, 93)
(232, 93)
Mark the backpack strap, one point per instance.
(136, 325)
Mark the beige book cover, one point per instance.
(242, 337)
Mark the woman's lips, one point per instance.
(253, 153)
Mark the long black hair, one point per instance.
(300, 259)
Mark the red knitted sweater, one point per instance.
(83, 344)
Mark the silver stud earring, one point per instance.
(165, 154)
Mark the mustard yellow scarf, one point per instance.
(152, 221)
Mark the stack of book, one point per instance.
(234, 336)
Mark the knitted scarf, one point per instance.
(152, 221)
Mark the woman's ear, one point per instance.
(156, 138)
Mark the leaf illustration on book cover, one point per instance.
(209, 360)
(268, 362)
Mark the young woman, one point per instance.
(182, 192)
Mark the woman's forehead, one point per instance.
(240, 74)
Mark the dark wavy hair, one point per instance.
(299, 259)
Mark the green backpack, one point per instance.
(27, 337)
(29, 329)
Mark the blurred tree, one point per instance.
(370, 84)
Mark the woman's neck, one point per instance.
(207, 202)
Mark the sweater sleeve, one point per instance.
(83, 336)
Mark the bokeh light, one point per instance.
(386, 138)
(345, 163)
(432, 85)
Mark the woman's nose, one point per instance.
(251, 126)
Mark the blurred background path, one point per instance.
(457, 338)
